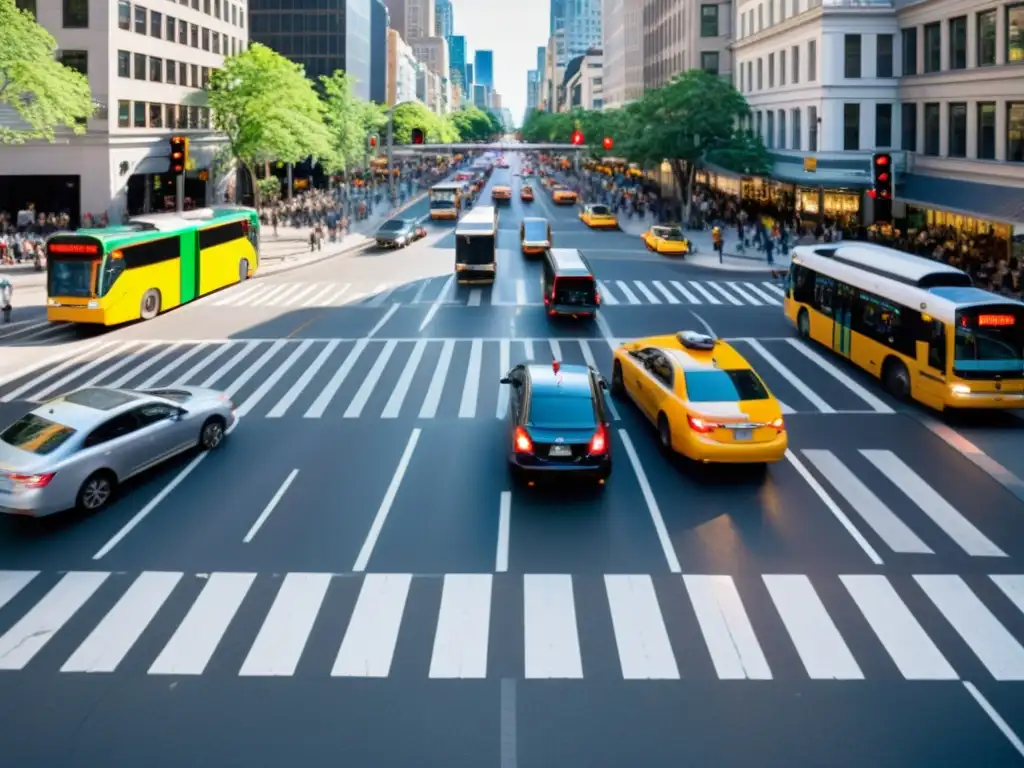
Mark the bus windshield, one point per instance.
(989, 341)
(445, 197)
(72, 266)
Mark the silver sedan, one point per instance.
(74, 451)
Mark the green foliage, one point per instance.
(473, 124)
(349, 119)
(545, 127)
(43, 92)
(745, 153)
(269, 188)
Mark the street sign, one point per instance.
(810, 164)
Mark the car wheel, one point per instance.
(243, 270)
(150, 306)
(803, 324)
(618, 385)
(96, 492)
(664, 433)
(212, 434)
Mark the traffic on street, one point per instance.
(357, 555)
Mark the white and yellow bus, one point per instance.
(918, 325)
(445, 201)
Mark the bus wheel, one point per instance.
(243, 270)
(896, 379)
(803, 324)
(150, 304)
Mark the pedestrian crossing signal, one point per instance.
(179, 154)
(577, 138)
(372, 142)
(417, 136)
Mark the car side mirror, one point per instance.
(506, 380)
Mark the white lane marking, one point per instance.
(521, 299)
(284, 296)
(795, 381)
(504, 532)
(991, 642)
(1011, 585)
(418, 296)
(252, 369)
(134, 357)
(381, 517)
(394, 404)
(551, 636)
(247, 347)
(143, 513)
(669, 296)
(607, 297)
(651, 298)
(817, 640)
(366, 389)
(310, 290)
(889, 527)
(331, 300)
(271, 506)
(258, 297)
(476, 296)
(231, 296)
(64, 360)
(282, 405)
(556, 349)
(711, 298)
(765, 297)
(729, 297)
(369, 644)
(283, 636)
(318, 296)
(728, 633)
(441, 299)
(316, 410)
(686, 294)
(471, 389)
(652, 505)
(121, 628)
(775, 289)
(830, 503)
(645, 651)
(12, 582)
(193, 644)
(744, 295)
(108, 351)
(528, 348)
(873, 402)
(606, 331)
(433, 397)
(630, 296)
(463, 627)
(380, 293)
(942, 513)
(199, 347)
(383, 321)
(504, 364)
(995, 717)
(20, 644)
(905, 640)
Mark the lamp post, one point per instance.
(391, 144)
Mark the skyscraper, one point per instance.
(378, 51)
(557, 16)
(484, 69)
(444, 22)
(457, 55)
(582, 27)
(542, 52)
(470, 77)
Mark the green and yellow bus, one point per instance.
(154, 263)
(918, 325)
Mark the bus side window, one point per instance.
(937, 345)
(824, 293)
(803, 284)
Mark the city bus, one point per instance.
(476, 243)
(918, 325)
(154, 263)
(445, 201)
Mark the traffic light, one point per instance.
(577, 138)
(371, 142)
(881, 186)
(417, 136)
(608, 143)
(179, 154)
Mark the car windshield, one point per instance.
(394, 225)
(669, 233)
(562, 412)
(536, 231)
(34, 434)
(724, 386)
(600, 210)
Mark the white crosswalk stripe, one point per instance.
(713, 627)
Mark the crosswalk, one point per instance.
(505, 292)
(36, 332)
(851, 627)
(392, 378)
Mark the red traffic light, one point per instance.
(882, 160)
(373, 141)
(417, 136)
(577, 138)
(608, 143)
(883, 177)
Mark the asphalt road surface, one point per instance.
(351, 579)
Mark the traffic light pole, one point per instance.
(179, 192)
(391, 146)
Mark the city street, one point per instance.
(352, 572)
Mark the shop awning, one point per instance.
(989, 202)
(150, 164)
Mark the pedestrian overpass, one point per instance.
(499, 146)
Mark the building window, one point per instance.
(908, 117)
(216, 8)
(1015, 34)
(750, 75)
(234, 17)
(206, 7)
(193, 117)
(932, 47)
(76, 14)
(796, 8)
(851, 127)
(987, 131)
(782, 67)
(1015, 132)
(769, 139)
(709, 62)
(26, 5)
(987, 39)
(124, 18)
(172, 72)
(182, 73)
(156, 69)
(139, 114)
(958, 43)
(206, 39)
(205, 77)
(709, 21)
(193, 34)
(182, 117)
(194, 78)
(812, 129)
(883, 126)
(771, 70)
(909, 51)
(883, 57)
(771, 13)
(812, 61)
(171, 28)
(204, 117)
(140, 20)
(958, 130)
(794, 55)
(743, 25)
(156, 115)
(216, 42)
(851, 56)
(76, 60)
(140, 66)
(796, 128)
(760, 74)
(123, 113)
(760, 18)
(124, 64)
(931, 129)
(760, 126)
(183, 32)
(170, 115)
(156, 24)
(782, 129)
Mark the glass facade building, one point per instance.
(457, 54)
(378, 51)
(483, 69)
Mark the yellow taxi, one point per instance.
(599, 217)
(707, 402)
(563, 196)
(668, 240)
(534, 236)
(501, 193)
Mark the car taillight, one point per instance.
(599, 442)
(31, 481)
(779, 424)
(700, 425)
(521, 441)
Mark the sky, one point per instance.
(513, 29)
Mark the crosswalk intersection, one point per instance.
(534, 626)
(35, 332)
(394, 378)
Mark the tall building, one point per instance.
(483, 68)
(556, 16)
(496, 100)
(481, 96)
(583, 26)
(584, 82)
(554, 71)
(321, 35)
(457, 54)
(542, 51)
(413, 19)
(470, 78)
(532, 90)
(623, 67)
(444, 23)
(682, 36)
(146, 69)
(378, 52)
(433, 52)
(403, 70)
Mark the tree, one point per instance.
(472, 124)
(745, 153)
(412, 114)
(268, 110)
(544, 127)
(345, 116)
(43, 92)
